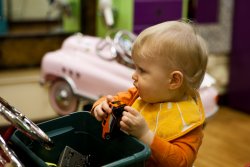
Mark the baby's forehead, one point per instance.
(150, 55)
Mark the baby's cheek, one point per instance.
(145, 95)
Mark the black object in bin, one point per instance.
(82, 132)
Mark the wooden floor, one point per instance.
(226, 140)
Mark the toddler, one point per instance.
(164, 109)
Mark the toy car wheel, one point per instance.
(62, 98)
(107, 136)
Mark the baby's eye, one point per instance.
(140, 70)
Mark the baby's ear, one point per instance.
(176, 80)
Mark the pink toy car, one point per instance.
(86, 68)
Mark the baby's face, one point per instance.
(151, 78)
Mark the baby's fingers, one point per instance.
(101, 112)
(125, 119)
(109, 98)
(124, 124)
(131, 111)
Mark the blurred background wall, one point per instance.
(43, 25)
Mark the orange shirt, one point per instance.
(179, 152)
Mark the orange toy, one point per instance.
(111, 124)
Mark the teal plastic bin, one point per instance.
(82, 132)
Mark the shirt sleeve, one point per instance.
(126, 97)
(180, 152)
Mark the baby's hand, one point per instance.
(134, 124)
(103, 109)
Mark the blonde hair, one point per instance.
(178, 43)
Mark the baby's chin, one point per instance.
(151, 99)
(147, 99)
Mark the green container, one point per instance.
(82, 132)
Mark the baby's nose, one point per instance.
(134, 76)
